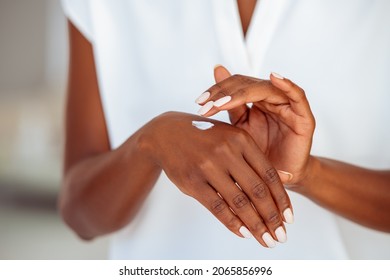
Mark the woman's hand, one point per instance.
(222, 168)
(280, 120)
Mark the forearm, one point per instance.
(359, 194)
(101, 193)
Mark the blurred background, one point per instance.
(33, 68)
(33, 63)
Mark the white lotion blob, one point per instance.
(202, 125)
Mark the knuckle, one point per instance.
(259, 190)
(300, 93)
(240, 200)
(218, 206)
(206, 165)
(190, 185)
(239, 137)
(243, 94)
(244, 79)
(215, 88)
(218, 89)
(273, 218)
(271, 176)
(191, 178)
(223, 148)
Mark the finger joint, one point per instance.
(259, 190)
(271, 176)
(273, 218)
(218, 206)
(240, 200)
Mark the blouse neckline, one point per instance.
(246, 55)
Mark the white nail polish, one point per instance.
(281, 235)
(269, 240)
(288, 216)
(203, 97)
(276, 75)
(205, 108)
(245, 232)
(222, 101)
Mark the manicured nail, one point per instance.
(205, 108)
(269, 240)
(245, 232)
(288, 216)
(285, 176)
(222, 101)
(203, 97)
(276, 75)
(281, 235)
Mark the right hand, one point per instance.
(209, 164)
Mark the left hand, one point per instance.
(280, 120)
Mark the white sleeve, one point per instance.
(79, 13)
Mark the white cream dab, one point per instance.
(202, 125)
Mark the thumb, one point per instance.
(285, 176)
(220, 74)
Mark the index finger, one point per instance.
(238, 90)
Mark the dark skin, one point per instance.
(104, 188)
(282, 125)
(246, 9)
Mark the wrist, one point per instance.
(144, 144)
(308, 181)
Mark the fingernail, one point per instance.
(288, 216)
(245, 232)
(269, 240)
(203, 97)
(281, 235)
(276, 75)
(222, 101)
(217, 65)
(205, 108)
(285, 176)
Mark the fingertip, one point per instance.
(288, 216)
(279, 81)
(277, 76)
(217, 65)
(205, 108)
(268, 240)
(244, 231)
(285, 176)
(203, 98)
(293, 91)
(220, 73)
(222, 101)
(281, 235)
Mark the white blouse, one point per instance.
(154, 56)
